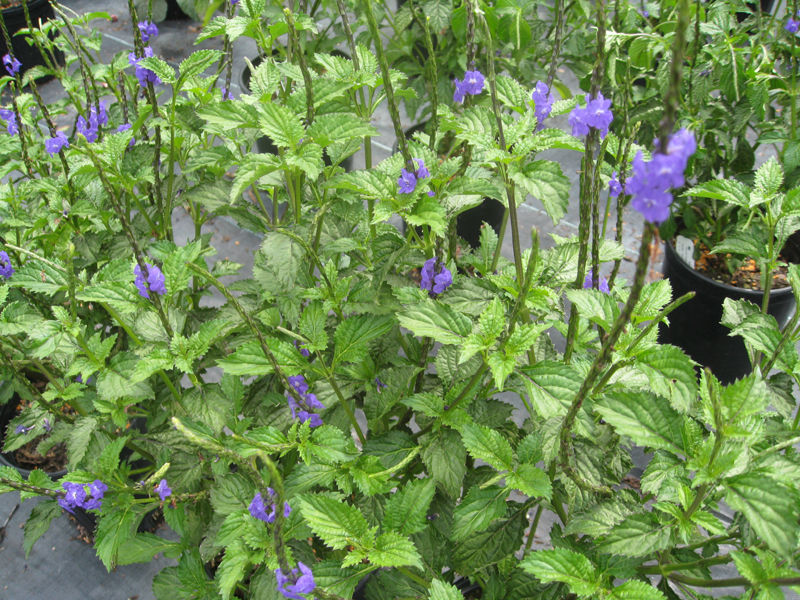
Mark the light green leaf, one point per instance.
(160, 68)
(39, 522)
(647, 419)
(488, 445)
(531, 481)
(638, 535)
(394, 550)
(563, 565)
(728, 190)
(197, 62)
(545, 181)
(445, 456)
(636, 590)
(437, 321)
(671, 374)
(352, 335)
(444, 591)
(478, 509)
(407, 509)
(337, 523)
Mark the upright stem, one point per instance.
(303, 67)
(556, 42)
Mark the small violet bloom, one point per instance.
(258, 509)
(21, 429)
(544, 103)
(11, 121)
(126, 127)
(597, 114)
(588, 284)
(144, 75)
(163, 490)
(97, 490)
(291, 585)
(380, 385)
(155, 281)
(226, 95)
(435, 280)
(12, 64)
(792, 25)
(149, 30)
(407, 182)
(614, 186)
(303, 351)
(299, 384)
(422, 170)
(55, 144)
(46, 425)
(234, 2)
(76, 496)
(6, 268)
(471, 85)
(645, 13)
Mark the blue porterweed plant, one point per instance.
(338, 418)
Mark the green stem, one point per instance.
(332, 380)
(534, 527)
(414, 577)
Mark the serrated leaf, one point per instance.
(728, 190)
(444, 591)
(249, 359)
(477, 510)
(337, 523)
(165, 72)
(671, 374)
(647, 419)
(488, 445)
(407, 509)
(39, 522)
(638, 535)
(636, 590)
(352, 335)
(563, 565)
(394, 550)
(197, 62)
(531, 481)
(445, 456)
(545, 181)
(437, 321)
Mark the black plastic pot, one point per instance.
(469, 222)
(264, 144)
(695, 325)
(7, 413)
(175, 12)
(27, 54)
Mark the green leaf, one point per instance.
(39, 522)
(493, 319)
(249, 359)
(551, 386)
(312, 326)
(337, 127)
(352, 335)
(233, 567)
(596, 306)
(563, 565)
(437, 321)
(114, 528)
(444, 591)
(445, 457)
(728, 190)
(477, 511)
(488, 445)
(638, 535)
(197, 62)
(337, 523)
(407, 509)
(335, 578)
(749, 567)
(502, 539)
(647, 419)
(636, 590)
(142, 547)
(280, 124)
(770, 508)
(79, 438)
(743, 243)
(37, 276)
(671, 374)
(394, 550)
(768, 180)
(160, 68)
(545, 181)
(745, 397)
(531, 481)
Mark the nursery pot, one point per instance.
(264, 144)
(469, 222)
(175, 12)
(27, 54)
(695, 325)
(7, 413)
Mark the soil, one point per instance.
(10, 4)
(747, 276)
(27, 457)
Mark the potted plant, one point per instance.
(19, 17)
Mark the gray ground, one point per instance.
(64, 566)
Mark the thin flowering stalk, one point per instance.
(434, 81)
(309, 88)
(387, 85)
(51, 64)
(623, 176)
(509, 183)
(471, 46)
(595, 271)
(672, 97)
(556, 42)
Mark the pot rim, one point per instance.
(670, 249)
(12, 10)
(5, 462)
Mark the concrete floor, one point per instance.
(62, 564)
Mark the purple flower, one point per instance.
(314, 420)
(144, 75)
(226, 95)
(258, 509)
(430, 193)
(380, 385)
(234, 2)
(435, 280)
(303, 350)
(472, 85)
(645, 13)
(597, 114)
(544, 103)
(163, 490)
(74, 497)
(291, 585)
(407, 182)
(88, 130)
(149, 30)
(6, 268)
(12, 64)
(791, 26)
(55, 144)
(422, 171)
(21, 429)
(155, 280)
(614, 186)
(46, 424)
(11, 121)
(96, 489)
(298, 382)
(588, 284)
(125, 127)
(651, 181)
(312, 402)
(579, 119)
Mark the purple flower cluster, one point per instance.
(56, 143)
(258, 509)
(435, 280)
(12, 64)
(11, 121)
(144, 75)
(22, 430)
(155, 281)
(162, 489)
(126, 127)
(651, 181)
(226, 95)
(408, 180)
(291, 585)
(543, 98)
(148, 30)
(597, 114)
(792, 25)
(588, 284)
(298, 383)
(6, 268)
(77, 497)
(472, 85)
(91, 129)
(614, 186)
